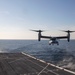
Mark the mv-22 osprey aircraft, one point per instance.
(53, 40)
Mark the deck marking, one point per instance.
(16, 60)
(43, 69)
(42, 66)
(51, 65)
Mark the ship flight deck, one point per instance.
(24, 64)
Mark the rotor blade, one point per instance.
(34, 30)
(67, 31)
(37, 30)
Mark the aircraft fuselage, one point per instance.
(53, 42)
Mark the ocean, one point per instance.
(62, 55)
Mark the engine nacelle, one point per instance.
(39, 35)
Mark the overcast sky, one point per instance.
(17, 17)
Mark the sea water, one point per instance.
(34, 46)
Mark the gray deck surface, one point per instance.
(19, 64)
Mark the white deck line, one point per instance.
(42, 70)
(49, 63)
(28, 55)
(42, 66)
(69, 71)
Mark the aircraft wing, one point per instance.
(48, 37)
(61, 37)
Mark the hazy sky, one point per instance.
(18, 16)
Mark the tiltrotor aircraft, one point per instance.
(53, 40)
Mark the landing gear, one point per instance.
(57, 43)
(52, 43)
(49, 43)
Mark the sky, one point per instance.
(17, 17)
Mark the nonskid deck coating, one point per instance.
(23, 64)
